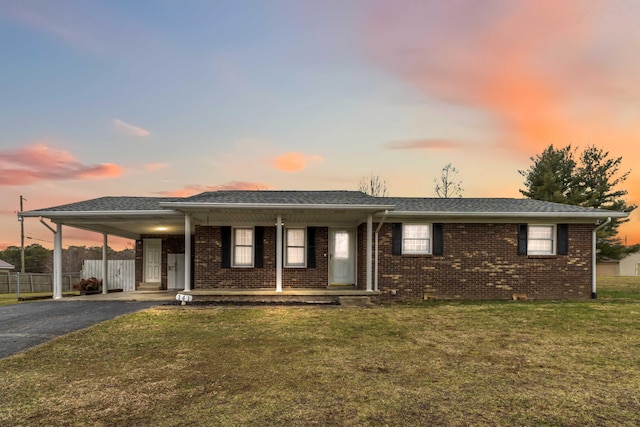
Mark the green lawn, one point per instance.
(434, 363)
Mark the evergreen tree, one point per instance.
(592, 181)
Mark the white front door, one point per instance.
(175, 271)
(342, 255)
(152, 260)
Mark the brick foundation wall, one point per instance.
(480, 261)
(209, 274)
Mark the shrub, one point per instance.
(90, 284)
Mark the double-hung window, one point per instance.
(541, 240)
(416, 239)
(295, 247)
(243, 247)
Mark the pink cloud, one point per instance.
(38, 162)
(294, 161)
(191, 190)
(130, 129)
(156, 166)
(423, 144)
(541, 72)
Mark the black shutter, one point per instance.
(225, 240)
(311, 247)
(438, 240)
(563, 239)
(522, 239)
(258, 249)
(396, 238)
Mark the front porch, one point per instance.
(307, 296)
(245, 296)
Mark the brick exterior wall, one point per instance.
(209, 274)
(481, 261)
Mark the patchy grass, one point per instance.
(7, 299)
(435, 363)
(621, 288)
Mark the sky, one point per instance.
(163, 97)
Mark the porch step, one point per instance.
(349, 301)
(148, 286)
(268, 299)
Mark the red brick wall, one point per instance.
(209, 274)
(481, 262)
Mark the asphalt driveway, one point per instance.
(25, 325)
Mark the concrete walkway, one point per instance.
(25, 325)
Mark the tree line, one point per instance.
(38, 259)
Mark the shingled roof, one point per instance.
(483, 205)
(286, 197)
(110, 203)
(300, 198)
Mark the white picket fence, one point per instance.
(121, 273)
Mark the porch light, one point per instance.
(161, 228)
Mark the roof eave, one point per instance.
(595, 215)
(98, 214)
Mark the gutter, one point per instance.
(375, 274)
(594, 293)
(99, 214)
(462, 214)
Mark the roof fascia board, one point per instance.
(594, 215)
(97, 214)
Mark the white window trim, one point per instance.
(554, 239)
(429, 250)
(304, 248)
(233, 247)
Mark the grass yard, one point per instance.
(435, 363)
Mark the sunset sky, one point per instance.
(154, 98)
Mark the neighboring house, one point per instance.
(391, 247)
(627, 266)
(5, 266)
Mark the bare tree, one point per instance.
(373, 185)
(448, 185)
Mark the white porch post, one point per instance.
(187, 253)
(369, 251)
(57, 262)
(105, 264)
(279, 254)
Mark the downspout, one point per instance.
(594, 293)
(375, 275)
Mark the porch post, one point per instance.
(369, 251)
(57, 262)
(187, 253)
(279, 254)
(105, 264)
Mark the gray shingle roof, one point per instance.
(483, 205)
(285, 197)
(123, 203)
(402, 204)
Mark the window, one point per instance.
(416, 239)
(295, 248)
(243, 247)
(540, 240)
